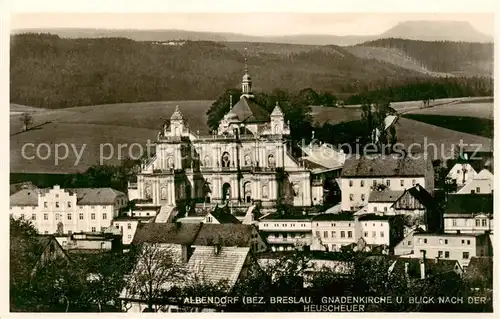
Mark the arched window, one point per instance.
(225, 160)
(265, 193)
(276, 129)
(226, 191)
(247, 160)
(248, 192)
(170, 162)
(163, 193)
(207, 161)
(148, 192)
(271, 161)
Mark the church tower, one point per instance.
(176, 122)
(277, 120)
(246, 83)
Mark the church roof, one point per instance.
(277, 111)
(248, 111)
(177, 115)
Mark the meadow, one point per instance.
(129, 123)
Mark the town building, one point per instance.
(286, 232)
(111, 240)
(469, 213)
(460, 247)
(363, 174)
(461, 173)
(246, 160)
(65, 211)
(482, 183)
(231, 235)
(381, 201)
(332, 231)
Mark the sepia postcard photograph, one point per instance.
(247, 160)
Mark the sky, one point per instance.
(247, 23)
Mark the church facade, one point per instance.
(244, 162)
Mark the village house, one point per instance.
(461, 247)
(111, 240)
(363, 174)
(482, 183)
(65, 211)
(381, 201)
(419, 268)
(461, 173)
(332, 231)
(469, 213)
(286, 232)
(405, 246)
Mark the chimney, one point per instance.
(406, 268)
(422, 265)
(217, 249)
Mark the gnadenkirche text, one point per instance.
(337, 303)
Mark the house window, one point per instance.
(57, 216)
(46, 232)
(381, 234)
(80, 216)
(351, 197)
(33, 216)
(350, 183)
(472, 191)
(413, 182)
(478, 222)
(92, 216)
(57, 204)
(69, 216)
(478, 190)
(129, 237)
(483, 222)
(375, 209)
(440, 254)
(374, 234)
(352, 207)
(409, 242)
(362, 183)
(385, 209)
(402, 182)
(425, 240)
(317, 234)
(334, 234)
(209, 219)
(362, 196)
(129, 226)
(325, 234)
(22, 216)
(104, 216)
(103, 228)
(93, 229)
(349, 234)
(420, 240)
(446, 241)
(342, 234)
(468, 242)
(366, 234)
(458, 171)
(454, 222)
(446, 254)
(69, 204)
(465, 255)
(46, 216)
(45, 204)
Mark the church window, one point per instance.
(163, 193)
(225, 160)
(247, 160)
(264, 191)
(270, 160)
(170, 162)
(207, 161)
(276, 129)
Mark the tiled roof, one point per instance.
(224, 216)
(228, 235)
(384, 166)
(14, 188)
(166, 233)
(214, 267)
(469, 203)
(95, 196)
(384, 196)
(248, 111)
(374, 217)
(25, 197)
(339, 216)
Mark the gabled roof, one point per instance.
(223, 215)
(95, 196)
(226, 265)
(26, 197)
(385, 166)
(484, 174)
(14, 188)
(422, 195)
(226, 235)
(384, 196)
(166, 233)
(469, 203)
(249, 112)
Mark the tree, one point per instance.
(155, 272)
(27, 121)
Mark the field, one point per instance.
(466, 124)
(479, 110)
(130, 123)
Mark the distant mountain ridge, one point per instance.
(415, 30)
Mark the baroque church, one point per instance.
(245, 162)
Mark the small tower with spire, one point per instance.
(277, 121)
(176, 122)
(246, 83)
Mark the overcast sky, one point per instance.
(247, 23)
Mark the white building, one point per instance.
(381, 201)
(66, 211)
(332, 231)
(245, 161)
(469, 213)
(361, 174)
(482, 183)
(375, 229)
(461, 173)
(284, 232)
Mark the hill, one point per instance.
(51, 72)
(460, 31)
(458, 58)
